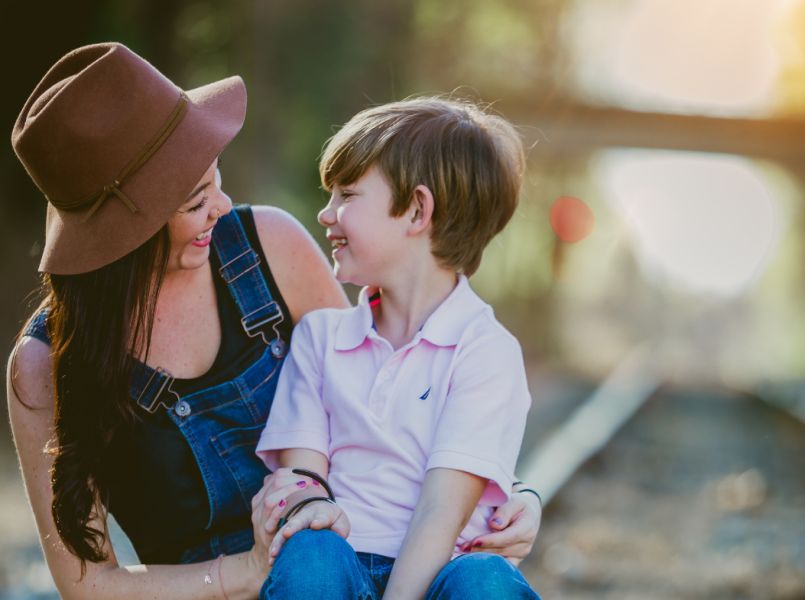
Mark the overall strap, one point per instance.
(37, 327)
(151, 388)
(240, 269)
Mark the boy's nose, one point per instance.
(327, 215)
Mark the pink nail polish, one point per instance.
(478, 543)
(314, 482)
(301, 484)
(282, 503)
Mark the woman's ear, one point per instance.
(421, 210)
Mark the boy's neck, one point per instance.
(406, 304)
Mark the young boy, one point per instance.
(413, 403)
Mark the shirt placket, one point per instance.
(383, 389)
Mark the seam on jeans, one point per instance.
(266, 379)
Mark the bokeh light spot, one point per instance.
(571, 219)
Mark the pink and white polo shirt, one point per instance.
(455, 397)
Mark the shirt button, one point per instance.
(182, 408)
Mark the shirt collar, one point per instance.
(444, 327)
(355, 325)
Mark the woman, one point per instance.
(141, 385)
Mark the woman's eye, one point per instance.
(198, 206)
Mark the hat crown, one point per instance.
(117, 148)
(88, 118)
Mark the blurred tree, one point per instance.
(498, 50)
(313, 64)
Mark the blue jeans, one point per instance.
(321, 564)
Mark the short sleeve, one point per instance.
(297, 418)
(481, 427)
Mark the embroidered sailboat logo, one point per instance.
(425, 395)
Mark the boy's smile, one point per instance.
(337, 243)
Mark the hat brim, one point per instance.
(74, 244)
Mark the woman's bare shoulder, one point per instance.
(29, 374)
(277, 220)
(300, 268)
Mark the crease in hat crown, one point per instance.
(97, 136)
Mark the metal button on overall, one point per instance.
(277, 348)
(182, 408)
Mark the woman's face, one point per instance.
(190, 228)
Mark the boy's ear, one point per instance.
(421, 210)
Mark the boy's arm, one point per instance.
(302, 458)
(445, 505)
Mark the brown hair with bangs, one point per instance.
(471, 161)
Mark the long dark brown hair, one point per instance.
(97, 323)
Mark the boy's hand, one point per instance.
(515, 526)
(316, 515)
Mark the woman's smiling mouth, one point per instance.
(203, 239)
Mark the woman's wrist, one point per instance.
(242, 575)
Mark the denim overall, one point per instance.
(222, 423)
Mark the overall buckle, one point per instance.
(164, 385)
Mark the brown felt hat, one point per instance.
(116, 148)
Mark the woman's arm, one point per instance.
(29, 374)
(445, 506)
(301, 270)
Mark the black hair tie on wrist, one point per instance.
(318, 478)
(299, 505)
(530, 491)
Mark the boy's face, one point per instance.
(368, 243)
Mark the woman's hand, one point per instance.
(316, 515)
(514, 525)
(267, 507)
